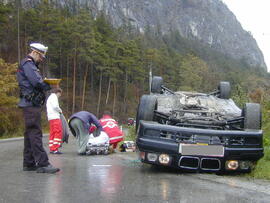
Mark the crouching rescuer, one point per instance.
(32, 97)
(110, 126)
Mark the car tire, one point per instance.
(252, 116)
(156, 85)
(224, 90)
(146, 108)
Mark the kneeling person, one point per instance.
(80, 123)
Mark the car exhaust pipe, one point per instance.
(189, 162)
(210, 164)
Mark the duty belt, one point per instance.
(28, 97)
(37, 98)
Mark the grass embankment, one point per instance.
(262, 168)
(130, 134)
(19, 132)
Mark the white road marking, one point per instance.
(102, 165)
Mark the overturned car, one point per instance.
(198, 131)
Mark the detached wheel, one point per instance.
(252, 116)
(224, 90)
(146, 108)
(156, 84)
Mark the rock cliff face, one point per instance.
(209, 21)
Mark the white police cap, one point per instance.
(39, 48)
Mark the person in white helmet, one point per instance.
(32, 97)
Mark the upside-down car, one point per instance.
(198, 131)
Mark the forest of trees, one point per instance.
(106, 68)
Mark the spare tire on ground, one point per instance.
(146, 108)
(156, 84)
(224, 90)
(252, 116)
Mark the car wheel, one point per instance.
(146, 108)
(156, 84)
(224, 90)
(252, 116)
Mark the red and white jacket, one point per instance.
(110, 126)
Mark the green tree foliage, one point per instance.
(8, 100)
(240, 96)
(193, 73)
(4, 18)
(107, 68)
(8, 83)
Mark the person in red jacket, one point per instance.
(110, 126)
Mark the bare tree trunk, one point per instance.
(92, 82)
(125, 94)
(84, 86)
(108, 91)
(137, 91)
(18, 33)
(114, 98)
(67, 68)
(60, 58)
(99, 93)
(74, 80)
(24, 46)
(91, 88)
(79, 70)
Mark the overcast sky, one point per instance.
(254, 16)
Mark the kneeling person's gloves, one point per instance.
(96, 133)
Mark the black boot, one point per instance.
(47, 169)
(29, 168)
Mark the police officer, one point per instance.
(32, 96)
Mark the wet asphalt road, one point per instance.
(118, 177)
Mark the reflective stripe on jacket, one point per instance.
(110, 126)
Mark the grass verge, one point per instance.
(130, 134)
(262, 169)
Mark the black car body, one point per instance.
(196, 131)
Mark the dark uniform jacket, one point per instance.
(30, 80)
(87, 119)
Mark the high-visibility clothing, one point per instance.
(110, 126)
(55, 139)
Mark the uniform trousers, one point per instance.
(33, 153)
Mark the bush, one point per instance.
(8, 113)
